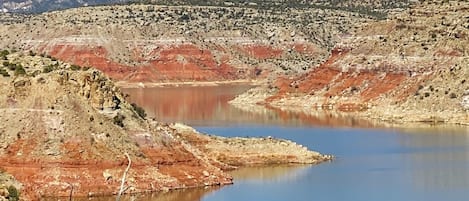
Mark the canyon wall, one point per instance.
(150, 43)
(411, 67)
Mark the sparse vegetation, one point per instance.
(3, 54)
(119, 120)
(31, 53)
(13, 194)
(48, 69)
(4, 73)
(19, 70)
(453, 96)
(139, 110)
(75, 67)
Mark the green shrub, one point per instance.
(119, 120)
(12, 66)
(48, 69)
(19, 70)
(6, 63)
(140, 111)
(75, 67)
(4, 73)
(4, 53)
(453, 96)
(14, 195)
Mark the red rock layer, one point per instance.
(163, 167)
(173, 62)
(348, 90)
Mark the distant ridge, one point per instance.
(40, 6)
(377, 7)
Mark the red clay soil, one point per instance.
(173, 63)
(188, 62)
(88, 56)
(451, 53)
(49, 176)
(317, 79)
(321, 76)
(347, 81)
(328, 81)
(377, 86)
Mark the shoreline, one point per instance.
(125, 84)
(376, 117)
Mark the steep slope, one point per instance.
(412, 67)
(68, 128)
(152, 43)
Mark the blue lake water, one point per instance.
(370, 165)
(429, 163)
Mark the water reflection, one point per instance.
(256, 174)
(270, 174)
(208, 106)
(191, 105)
(426, 162)
(194, 194)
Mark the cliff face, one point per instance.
(150, 43)
(412, 67)
(65, 127)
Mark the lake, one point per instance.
(373, 163)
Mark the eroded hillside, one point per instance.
(412, 67)
(153, 43)
(67, 127)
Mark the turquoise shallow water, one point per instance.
(371, 164)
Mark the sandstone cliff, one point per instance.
(64, 127)
(411, 67)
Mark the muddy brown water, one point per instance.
(372, 163)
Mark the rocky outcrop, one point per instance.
(412, 67)
(68, 128)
